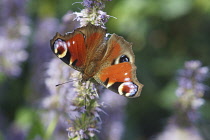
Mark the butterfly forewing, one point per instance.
(76, 48)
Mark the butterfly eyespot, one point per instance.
(124, 58)
(60, 48)
(129, 89)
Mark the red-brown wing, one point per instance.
(118, 72)
(75, 48)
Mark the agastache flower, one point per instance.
(99, 4)
(14, 32)
(76, 100)
(191, 87)
(175, 132)
(189, 92)
(92, 13)
(88, 122)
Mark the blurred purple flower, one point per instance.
(14, 32)
(175, 132)
(189, 92)
(12, 8)
(40, 53)
(15, 132)
(113, 120)
(58, 73)
(191, 87)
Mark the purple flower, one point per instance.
(175, 132)
(88, 3)
(99, 4)
(191, 78)
(40, 54)
(14, 32)
(191, 88)
(92, 13)
(114, 115)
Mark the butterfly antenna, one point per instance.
(66, 82)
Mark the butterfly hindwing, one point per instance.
(118, 71)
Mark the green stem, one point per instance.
(51, 128)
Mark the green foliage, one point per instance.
(28, 120)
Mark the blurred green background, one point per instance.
(164, 33)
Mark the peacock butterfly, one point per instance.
(109, 61)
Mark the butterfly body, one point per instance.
(109, 61)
